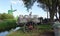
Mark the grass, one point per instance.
(44, 26)
(33, 33)
(20, 33)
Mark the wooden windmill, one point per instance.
(11, 11)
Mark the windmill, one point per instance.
(11, 11)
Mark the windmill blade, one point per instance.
(14, 10)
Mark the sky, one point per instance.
(21, 9)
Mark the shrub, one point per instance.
(7, 24)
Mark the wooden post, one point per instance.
(24, 27)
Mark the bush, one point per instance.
(6, 16)
(7, 24)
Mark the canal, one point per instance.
(4, 33)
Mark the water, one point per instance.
(4, 33)
(17, 28)
(7, 32)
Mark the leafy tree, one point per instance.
(28, 3)
(6, 16)
(48, 5)
(51, 6)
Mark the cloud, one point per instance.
(3, 11)
(20, 1)
(13, 2)
(16, 1)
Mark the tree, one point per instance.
(48, 5)
(6, 16)
(58, 2)
(51, 6)
(28, 3)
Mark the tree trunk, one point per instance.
(59, 13)
(59, 16)
(51, 17)
(52, 11)
(47, 14)
(58, 3)
(56, 15)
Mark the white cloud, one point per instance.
(3, 11)
(18, 12)
(16, 1)
(20, 1)
(13, 2)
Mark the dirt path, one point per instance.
(47, 34)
